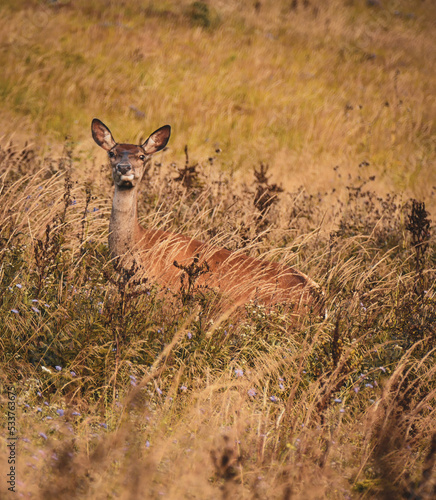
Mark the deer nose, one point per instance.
(124, 168)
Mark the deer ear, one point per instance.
(102, 135)
(157, 140)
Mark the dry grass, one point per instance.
(146, 395)
(127, 395)
(305, 89)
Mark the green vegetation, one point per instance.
(119, 379)
(125, 390)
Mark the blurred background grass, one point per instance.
(302, 85)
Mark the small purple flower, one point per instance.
(19, 285)
(49, 418)
(356, 389)
(183, 388)
(159, 391)
(15, 311)
(189, 335)
(273, 399)
(34, 301)
(370, 386)
(75, 414)
(43, 435)
(58, 368)
(35, 310)
(252, 393)
(103, 425)
(46, 404)
(342, 410)
(337, 400)
(133, 380)
(38, 410)
(60, 412)
(239, 372)
(39, 394)
(147, 444)
(281, 386)
(73, 374)
(382, 368)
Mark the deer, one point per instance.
(164, 256)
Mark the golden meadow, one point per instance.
(303, 133)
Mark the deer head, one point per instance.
(129, 162)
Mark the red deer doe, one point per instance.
(235, 276)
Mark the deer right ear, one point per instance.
(157, 140)
(102, 135)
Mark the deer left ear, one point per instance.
(102, 135)
(157, 140)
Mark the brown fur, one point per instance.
(236, 276)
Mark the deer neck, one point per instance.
(124, 228)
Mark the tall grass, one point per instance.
(139, 395)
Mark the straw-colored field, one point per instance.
(121, 394)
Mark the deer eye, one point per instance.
(142, 157)
(111, 154)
